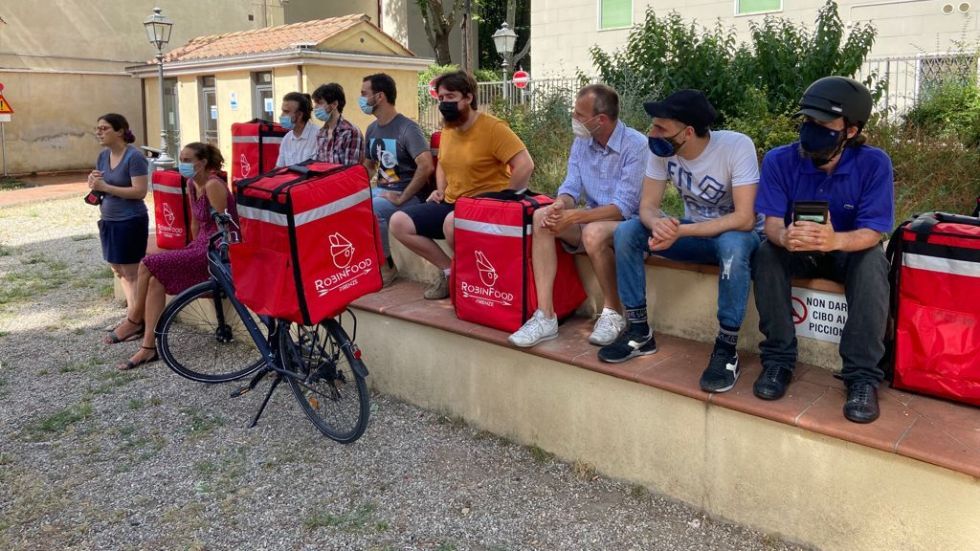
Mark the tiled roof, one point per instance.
(268, 39)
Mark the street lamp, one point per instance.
(158, 30)
(504, 40)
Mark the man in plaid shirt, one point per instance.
(339, 141)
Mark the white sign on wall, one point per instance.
(819, 315)
(233, 101)
(269, 105)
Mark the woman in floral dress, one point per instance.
(169, 273)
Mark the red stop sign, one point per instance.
(521, 78)
(432, 89)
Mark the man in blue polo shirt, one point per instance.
(830, 166)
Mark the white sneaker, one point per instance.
(535, 330)
(609, 325)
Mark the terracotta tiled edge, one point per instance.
(911, 426)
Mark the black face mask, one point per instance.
(821, 144)
(449, 110)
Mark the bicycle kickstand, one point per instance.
(265, 402)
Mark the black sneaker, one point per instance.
(722, 371)
(772, 382)
(862, 403)
(628, 346)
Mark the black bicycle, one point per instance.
(205, 334)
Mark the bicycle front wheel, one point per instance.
(324, 380)
(201, 337)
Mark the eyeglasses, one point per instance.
(100, 129)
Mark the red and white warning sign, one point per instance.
(432, 89)
(819, 315)
(521, 78)
(5, 108)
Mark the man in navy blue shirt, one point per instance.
(837, 236)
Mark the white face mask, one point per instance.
(579, 129)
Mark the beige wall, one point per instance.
(284, 80)
(81, 48)
(305, 10)
(51, 128)
(564, 30)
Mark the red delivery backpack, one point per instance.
(254, 148)
(310, 243)
(935, 278)
(171, 208)
(493, 280)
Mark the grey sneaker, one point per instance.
(388, 274)
(438, 290)
(535, 330)
(609, 325)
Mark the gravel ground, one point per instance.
(95, 459)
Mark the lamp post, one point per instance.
(504, 39)
(158, 30)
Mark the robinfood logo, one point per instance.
(245, 165)
(342, 253)
(486, 294)
(169, 229)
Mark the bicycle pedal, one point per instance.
(241, 392)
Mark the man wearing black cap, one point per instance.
(827, 199)
(716, 173)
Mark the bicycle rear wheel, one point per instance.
(326, 379)
(201, 337)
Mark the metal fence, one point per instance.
(906, 79)
(909, 79)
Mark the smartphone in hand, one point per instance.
(811, 211)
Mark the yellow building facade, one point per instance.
(224, 79)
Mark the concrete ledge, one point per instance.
(793, 467)
(682, 301)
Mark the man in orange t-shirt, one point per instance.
(478, 153)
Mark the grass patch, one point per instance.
(85, 237)
(59, 422)
(539, 455)
(639, 492)
(135, 404)
(36, 276)
(201, 422)
(111, 380)
(355, 520)
(454, 421)
(446, 546)
(80, 366)
(585, 471)
(5, 251)
(7, 183)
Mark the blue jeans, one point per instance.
(732, 251)
(383, 209)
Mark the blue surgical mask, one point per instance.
(286, 121)
(366, 107)
(321, 114)
(186, 170)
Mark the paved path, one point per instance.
(45, 188)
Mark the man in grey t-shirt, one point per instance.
(397, 157)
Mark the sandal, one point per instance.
(113, 338)
(130, 364)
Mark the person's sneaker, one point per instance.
(609, 325)
(438, 290)
(389, 273)
(772, 382)
(537, 329)
(862, 403)
(628, 346)
(722, 371)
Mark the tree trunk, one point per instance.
(438, 25)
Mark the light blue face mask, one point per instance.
(186, 169)
(366, 107)
(321, 114)
(286, 121)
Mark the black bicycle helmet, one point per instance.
(829, 98)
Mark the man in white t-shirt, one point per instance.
(299, 144)
(716, 173)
